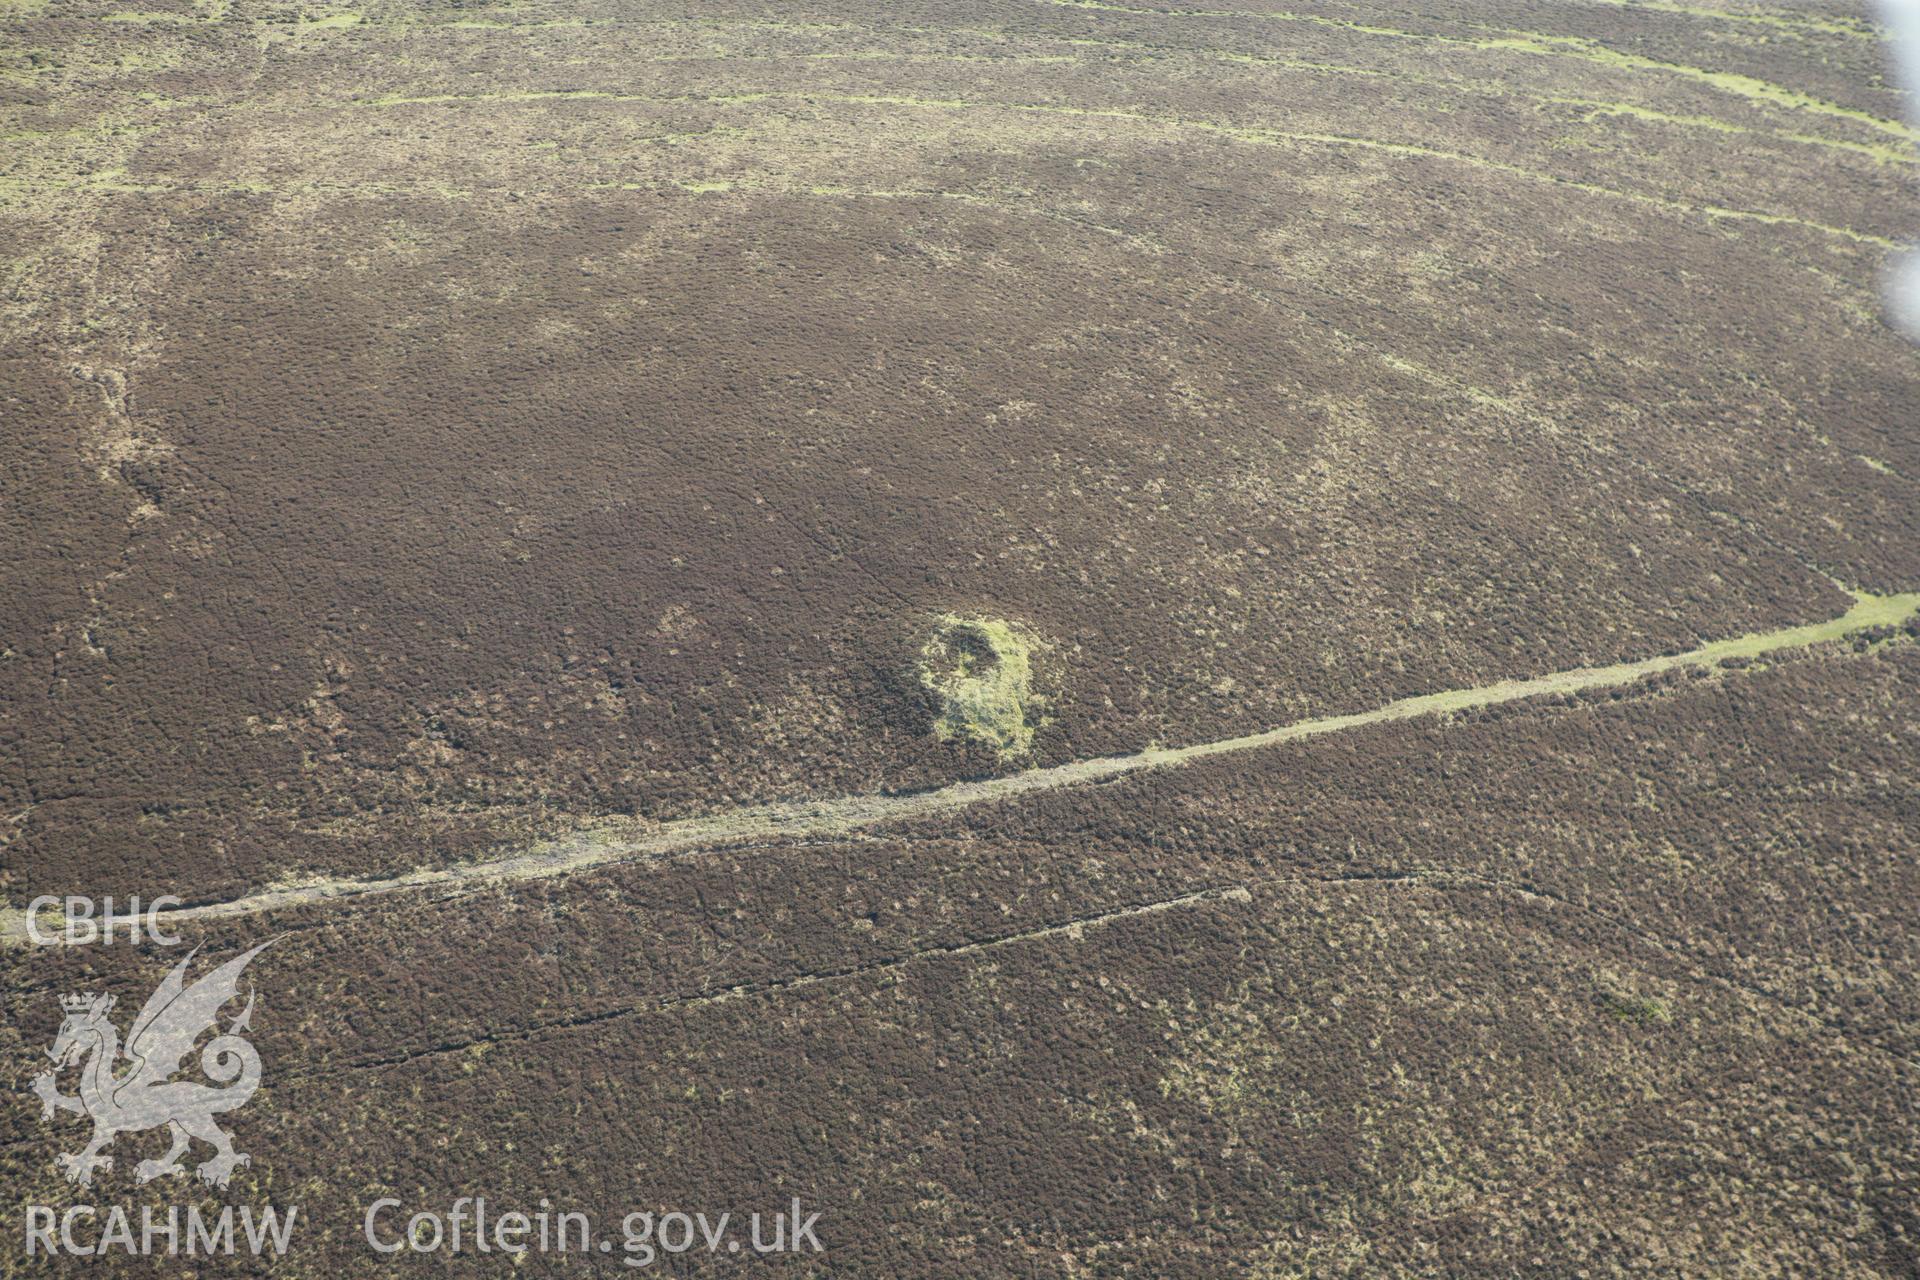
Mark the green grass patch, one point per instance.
(1641, 1011)
(982, 668)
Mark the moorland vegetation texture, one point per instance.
(1110, 639)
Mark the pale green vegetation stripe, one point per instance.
(1751, 88)
(1809, 23)
(1254, 134)
(1879, 152)
(843, 816)
(1883, 153)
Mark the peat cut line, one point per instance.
(841, 816)
(1074, 927)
